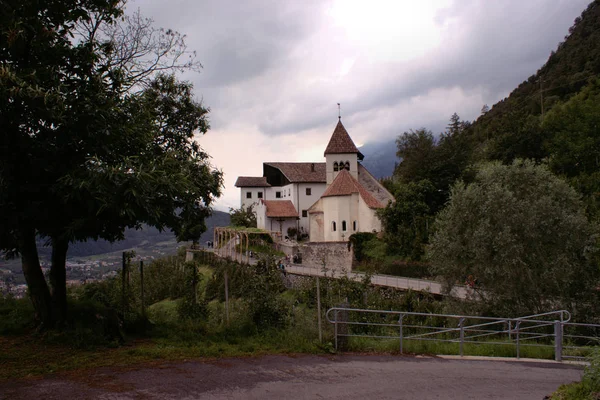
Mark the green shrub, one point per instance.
(410, 269)
(591, 375)
(588, 388)
(16, 316)
(189, 308)
(164, 312)
(358, 241)
(89, 324)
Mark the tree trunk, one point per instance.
(58, 280)
(36, 283)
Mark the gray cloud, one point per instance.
(277, 68)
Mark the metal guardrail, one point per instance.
(547, 330)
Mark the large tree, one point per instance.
(93, 140)
(440, 161)
(243, 216)
(521, 233)
(406, 220)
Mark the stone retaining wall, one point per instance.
(335, 255)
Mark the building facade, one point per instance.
(328, 201)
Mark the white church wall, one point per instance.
(280, 226)
(245, 202)
(261, 216)
(305, 201)
(368, 219)
(339, 209)
(317, 227)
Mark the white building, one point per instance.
(329, 201)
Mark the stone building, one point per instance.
(329, 201)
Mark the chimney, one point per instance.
(312, 167)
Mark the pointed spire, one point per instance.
(341, 143)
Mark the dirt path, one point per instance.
(307, 377)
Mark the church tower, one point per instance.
(341, 153)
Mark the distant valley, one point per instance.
(96, 259)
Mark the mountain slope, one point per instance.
(380, 158)
(146, 237)
(510, 128)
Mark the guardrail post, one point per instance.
(319, 311)
(558, 336)
(401, 333)
(461, 325)
(335, 329)
(510, 331)
(343, 329)
(517, 326)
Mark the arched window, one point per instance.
(347, 166)
(354, 226)
(344, 226)
(335, 166)
(333, 227)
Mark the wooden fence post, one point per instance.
(142, 287)
(123, 280)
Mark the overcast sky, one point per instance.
(274, 71)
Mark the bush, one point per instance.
(261, 287)
(591, 375)
(188, 308)
(358, 241)
(521, 231)
(292, 232)
(89, 324)
(16, 316)
(410, 269)
(588, 388)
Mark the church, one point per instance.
(327, 201)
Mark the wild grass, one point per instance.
(215, 329)
(491, 349)
(588, 388)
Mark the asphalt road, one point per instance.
(307, 377)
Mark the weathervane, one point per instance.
(339, 111)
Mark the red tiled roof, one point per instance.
(341, 142)
(301, 171)
(280, 209)
(345, 184)
(251, 181)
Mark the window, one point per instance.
(344, 226)
(248, 195)
(347, 166)
(289, 192)
(277, 195)
(335, 166)
(259, 195)
(333, 227)
(308, 191)
(304, 213)
(354, 226)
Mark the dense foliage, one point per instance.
(243, 217)
(521, 235)
(95, 140)
(552, 119)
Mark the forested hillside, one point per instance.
(511, 128)
(552, 117)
